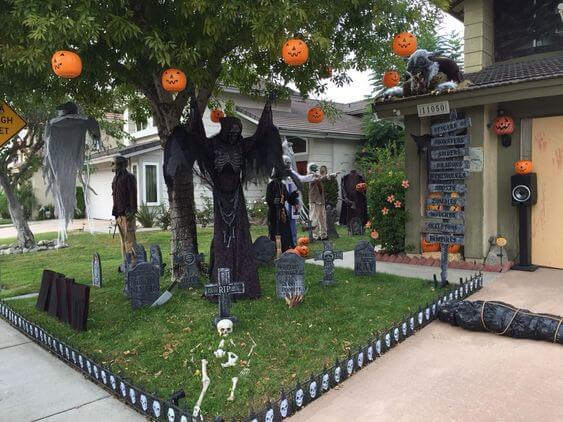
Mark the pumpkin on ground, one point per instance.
(429, 247)
(454, 248)
(523, 166)
(302, 241)
(217, 115)
(391, 78)
(404, 44)
(295, 52)
(173, 80)
(315, 115)
(66, 64)
(302, 250)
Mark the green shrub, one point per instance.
(331, 192)
(80, 210)
(27, 199)
(146, 216)
(46, 212)
(163, 217)
(4, 210)
(258, 211)
(204, 214)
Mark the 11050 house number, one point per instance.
(433, 109)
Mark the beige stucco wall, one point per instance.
(478, 34)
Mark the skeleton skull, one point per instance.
(225, 327)
(156, 408)
(284, 407)
(269, 416)
(144, 404)
(325, 384)
(313, 389)
(299, 398)
(171, 415)
(132, 396)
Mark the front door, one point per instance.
(547, 214)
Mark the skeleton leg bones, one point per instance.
(205, 381)
(233, 388)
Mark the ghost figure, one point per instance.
(65, 148)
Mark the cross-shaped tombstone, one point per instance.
(310, 230)
(328, 255)
(223, 290)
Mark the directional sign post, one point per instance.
(10, 123)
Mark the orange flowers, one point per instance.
(374, 234)
(384, 210)
(397, 204)
(405, 184)
(391, 198)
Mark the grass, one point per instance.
(161, 348)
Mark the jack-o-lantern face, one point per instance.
(295, 52)
(391, 78)
(315, 115)
(216, 115)
(302, 250)
(523, 166)
(503, 125)
(404, 44)
(173, 80)
(66, 64)
(303, 241)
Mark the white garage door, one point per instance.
(100, 181)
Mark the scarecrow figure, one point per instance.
(226, 162)
(124, 193)
(280, 202)
(65, 146)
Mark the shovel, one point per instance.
(165, 297)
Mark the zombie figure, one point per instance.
(124, 193)
(354, 203)
(293, 183)
(65, 147)
(226, 162)
(280, 202)
(317, 211)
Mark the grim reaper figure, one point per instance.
(226, 162)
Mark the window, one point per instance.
(299, 145)
(139, 126)
(151, 184)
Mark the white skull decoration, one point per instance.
(299, 398)
(225, 327)
(144, 404)
(284, 407)
(123, 389)
(325, 384)
(269, 416)
(156, 408)
(132, 396)
(171, 415)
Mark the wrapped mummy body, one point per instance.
(503, 319)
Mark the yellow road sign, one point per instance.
(10, 123)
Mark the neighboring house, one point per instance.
(514, 58)
(333, 144)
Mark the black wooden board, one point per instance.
(445, 214)
(444, 238)
(437, 176)
(441, 128)
(447, 187)
(449, 153)
(434, 226)
(450, 164)
(450, 141)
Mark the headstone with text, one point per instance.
(223, 290)
(143, 284)
(364, 258)
(290, 275)
(191, 277)
(331, 219)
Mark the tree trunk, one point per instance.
(25, 236)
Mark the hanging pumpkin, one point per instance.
(173, 80)
(361, 187)
(523, 166)
(404, 44)
(217, 115)
(303, 241)
(302, 250)
(66, 64)
(315, 115)
(504, 127)
(295, 52)
(454, 248)
(391, 78)
(429, 247)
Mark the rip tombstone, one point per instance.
(224, 288)
(264, 250)
(290, 275)
(96, 270)
(364, 258)
(143, 284)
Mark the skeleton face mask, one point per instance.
(144, 404)
(171, 415)
(313, 389)
(404, 328)
(325, 381)
(269, 416)
(299, 398)
(225, 327)
(360, 359)
(132, 396)
(104, 378)
(387, 340)
(396, 335)
(337, 373)
(112, 381)
(123, 390)
(284, 407)
(156, 408)
(350, 366)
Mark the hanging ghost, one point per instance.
(65, 147)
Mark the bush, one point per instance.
(258, 211)
(331, 192)
(4, 210)
(204, 215)
(80, 210)
(163, 217)
(46, 212)
(27, 199)
(146, 216)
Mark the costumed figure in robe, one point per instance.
(226, 162)
(293, 183)
(354, 203)
(317, 211)
(124, 193)
(65, 149)
(280, 203)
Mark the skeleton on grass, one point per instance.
(205, 381)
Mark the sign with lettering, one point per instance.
(449, 164)
(447, 175)
(433, 109)
(10, 123)
(452, 126)
(290, 275)
(449, 153)
(450, 141)
(447, 187)
(447, 201)
(456, 215)
(434, 226)
(445, 238)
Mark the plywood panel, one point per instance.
(547, 215)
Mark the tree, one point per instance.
(129, 43)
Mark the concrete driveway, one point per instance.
(445, 373)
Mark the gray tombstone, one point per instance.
(96, 270)
(290, 275)
(223, 290)
(264, 250)
(139, 252)
(355, 227)
(328, 255)
(156, 258)
(191, 277)
(143, 284)
(496, 256)
(364, 258)
(331, 219)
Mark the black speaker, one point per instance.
(524, 189)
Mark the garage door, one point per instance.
(101, 204)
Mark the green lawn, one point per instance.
(162, 348)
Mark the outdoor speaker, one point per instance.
(524, 189)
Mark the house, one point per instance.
(333, 144)
(514, 59)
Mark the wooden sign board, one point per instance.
(441, 128)
(448, 202)
(445, 238)
(449, 153)
(450, 215)
(433, 226)
(450, 141)
(10, 123)
(433, 109)
(447, 175)
(447, 187)
(450, 164)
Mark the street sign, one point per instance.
(448, 202)
(447, 187)
(445, 238)
(433, 226)
(445, 214)
(441, 128)
(447, 175)
(10, 123)
(433, 109)
(450, 164)
(449, 153)
(450, 141)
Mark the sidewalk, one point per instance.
(34, 385)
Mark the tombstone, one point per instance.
(497, 256)
(139, 252)
(191, 277)
(79, 306)
(290, 275)
(143, 284)
(355, 227)
(96, 270)
(223, 290)
(264, 250)
(331, 219)
(309, 227)
(364, 258)
(47, 280)
(156, 258)
(328, 255)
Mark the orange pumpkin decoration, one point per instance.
(302, 250)
(429, 247)
(173, 80)
(503, 125)
(295, 52)
(391, 78)
(315, 115)
(303, 241)
(404, 44)
(66, 64)
(523, 166)
(216, 115)
(361, 187)
(454, 248)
